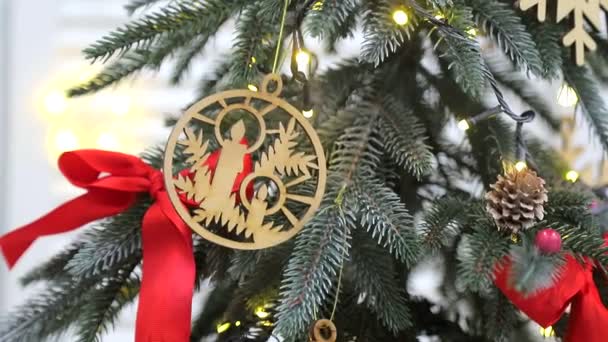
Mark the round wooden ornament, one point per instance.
(288, 177)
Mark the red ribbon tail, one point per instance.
(165, 303)
(68, 216)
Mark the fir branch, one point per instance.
(312, 269)
(104, 303)
(590, 100)
(215, 305)
(382, 36)
(500, 317)
(477, 256)
(178, 19)
(441, 223)
(383, 215)
(335, 20)
(404, 138)
(186, 56)
(547, 37)
(584, 243)
(464, 57)
(53, 268)
(376, 277)
(532, 271)
(110, 245)
(135, 5)
(504, 25)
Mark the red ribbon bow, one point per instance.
(575, 287)
(168, 273)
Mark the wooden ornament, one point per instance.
(288, 153)
(323, 330)
(582, 11)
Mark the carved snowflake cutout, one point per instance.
(581, 10)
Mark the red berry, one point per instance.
(548, 241)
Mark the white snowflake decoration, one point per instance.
(582, 9)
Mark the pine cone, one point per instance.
(517, 200)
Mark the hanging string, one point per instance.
(278, 51)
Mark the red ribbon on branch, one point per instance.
(113, 182)
(575, 288)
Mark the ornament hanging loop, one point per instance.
(272, 84)
(321, 329)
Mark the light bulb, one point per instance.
(572, 176)
(472, 32)
(520, 165)
(400, 17)
(107, 141)
(547, 332)
(266, 323)
(237, 323)
(303, 59)
(308, 113)
(120, 105)
(567, 96)
(65, 140)
(55, 102)
(223, 327)
(439, 16)
(252, 87)
(317, 6)
(261, 313)
(463, 125)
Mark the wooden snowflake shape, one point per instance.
(581, 10)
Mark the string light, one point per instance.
(547, 332)
(237, 323)
(308, 113)
(520, 165)
(317, 6)
(567, 96)
(303, 59)
(463, 125)
(472, 32)
(266, 323)
(572, 176)
(261, 312)
(66, 140)
(400, 17)
(55, 102)
(223, 327)
(107, 141)
(252, 87)
(439, 16)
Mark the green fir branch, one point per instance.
(53, 268)
(590, 101)
(441, 223)
(547, 37)
(376, 277)
(503, 24)
(135, 5)
(381, 35)
(404, 138)
(384, 216)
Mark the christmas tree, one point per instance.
(491, 208)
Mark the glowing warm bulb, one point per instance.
(472, 32)
(303, 59)
(55, 102)
(308, 113)
(266, 323)
(223, 327)
(261, 313)
(567, 96)
(317, 6)
(252, 87)
(65, 140)
(463, 125)
(547, 332)
(120, 105)
(107, 141)
(520, 165)
(237, 323)
(400, 17)
(572, 176)
(439, 16)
